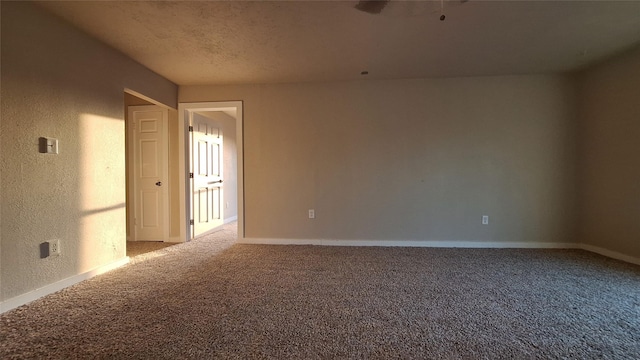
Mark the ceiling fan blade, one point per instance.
(371, 6)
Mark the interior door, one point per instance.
(149, 162)
(207, 175)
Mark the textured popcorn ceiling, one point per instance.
(207, 42)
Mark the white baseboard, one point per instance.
(59, 285)
(608, 253)
(444, 244)
(411, 243)
(230, 219)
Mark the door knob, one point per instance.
(159, 183)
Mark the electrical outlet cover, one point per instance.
(54, 247)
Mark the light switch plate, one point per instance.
(48, 145)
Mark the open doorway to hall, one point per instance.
(213, 170)
(211, 158)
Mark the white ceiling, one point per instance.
(206, 42)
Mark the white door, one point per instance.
(149, 159)
(207, 182)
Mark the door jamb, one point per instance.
(184, 113)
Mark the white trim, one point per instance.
(183, 124)
(59, 285)
(412, 243)
(174, 239)
(231, 219)
(608, 253)
(445, 244)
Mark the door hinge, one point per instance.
(190, 128)
(190, 175)
(191, 222)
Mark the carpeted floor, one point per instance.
(212, 299)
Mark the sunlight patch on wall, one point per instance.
(102, 197)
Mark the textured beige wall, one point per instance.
(408, 159)
(60, 83)
(609, 171)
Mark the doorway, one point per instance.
(153, 115)
(207, 174)
(209, 195)
(148, 154)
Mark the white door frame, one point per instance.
(184, 113)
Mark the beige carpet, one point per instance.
(212, 299)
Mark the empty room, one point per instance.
(320, 179)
